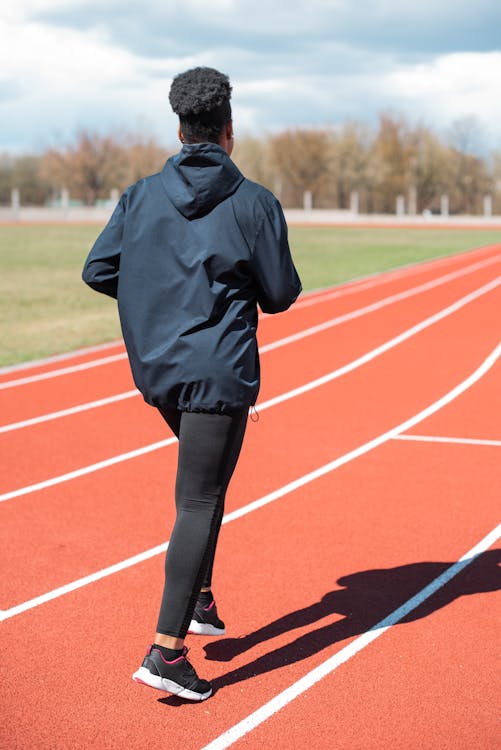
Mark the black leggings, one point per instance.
(209, 446)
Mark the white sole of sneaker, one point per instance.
(144, 677)
(203, 628)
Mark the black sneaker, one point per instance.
(177, 677)
(205, 620)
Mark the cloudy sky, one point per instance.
(107, 64)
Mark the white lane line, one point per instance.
(32, 363)
(81, 582)
(350, 286)
(289, 339)
(364, 359)
(368, 282)
(311, 678)
(437, 439)
(62, 371)
(379, 278)
(88, 469)
(374, 306)
(272, 496)
(366, 447)
(69, 411)
(262, 350)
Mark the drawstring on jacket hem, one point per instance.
(253, 414)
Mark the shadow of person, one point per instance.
(366, 598)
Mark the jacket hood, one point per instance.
(199, 177)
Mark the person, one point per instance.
(189, 253)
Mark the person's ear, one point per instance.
(180, 134)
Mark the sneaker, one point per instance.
(205, 621)
(177, 677)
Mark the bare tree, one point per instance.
(396, 159)
(495, 174)
(349, 162)
(89, 169)
(141, 156)
(6, 167)
(302, 161)
(22, 173)
(252, 156)
(428, 169)
(467, 172)
(390, 163)
(465, 135)
(468, 181)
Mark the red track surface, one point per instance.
(299, 579)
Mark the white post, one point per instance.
(307, 200)
(444, 205)
(400, 206)
(65, 202)
(487, 205)
(15, 202)
(412, 200)
(354, 202)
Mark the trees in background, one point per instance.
(252, 156)
(331, 164)
(495, 172)
(301, 160)
(89, 169)
(350, 164)
(22, 173)
(95, 164)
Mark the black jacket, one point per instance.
(188, 253)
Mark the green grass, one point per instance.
(46, 309)
(326, 256)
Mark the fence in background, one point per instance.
(405, 213)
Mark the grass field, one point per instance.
(46, 309)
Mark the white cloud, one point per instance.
(451, 87)
(66, 79)
(21, 10)
(65, 64)
(461, 79)
(60, 59)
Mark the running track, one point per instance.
(358, 564)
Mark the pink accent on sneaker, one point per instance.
(212, 604)
(141, 682)
(175, 661)
(149, 650)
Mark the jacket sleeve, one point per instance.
(103, 263)
(274, 272)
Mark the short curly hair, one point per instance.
(201, 99)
